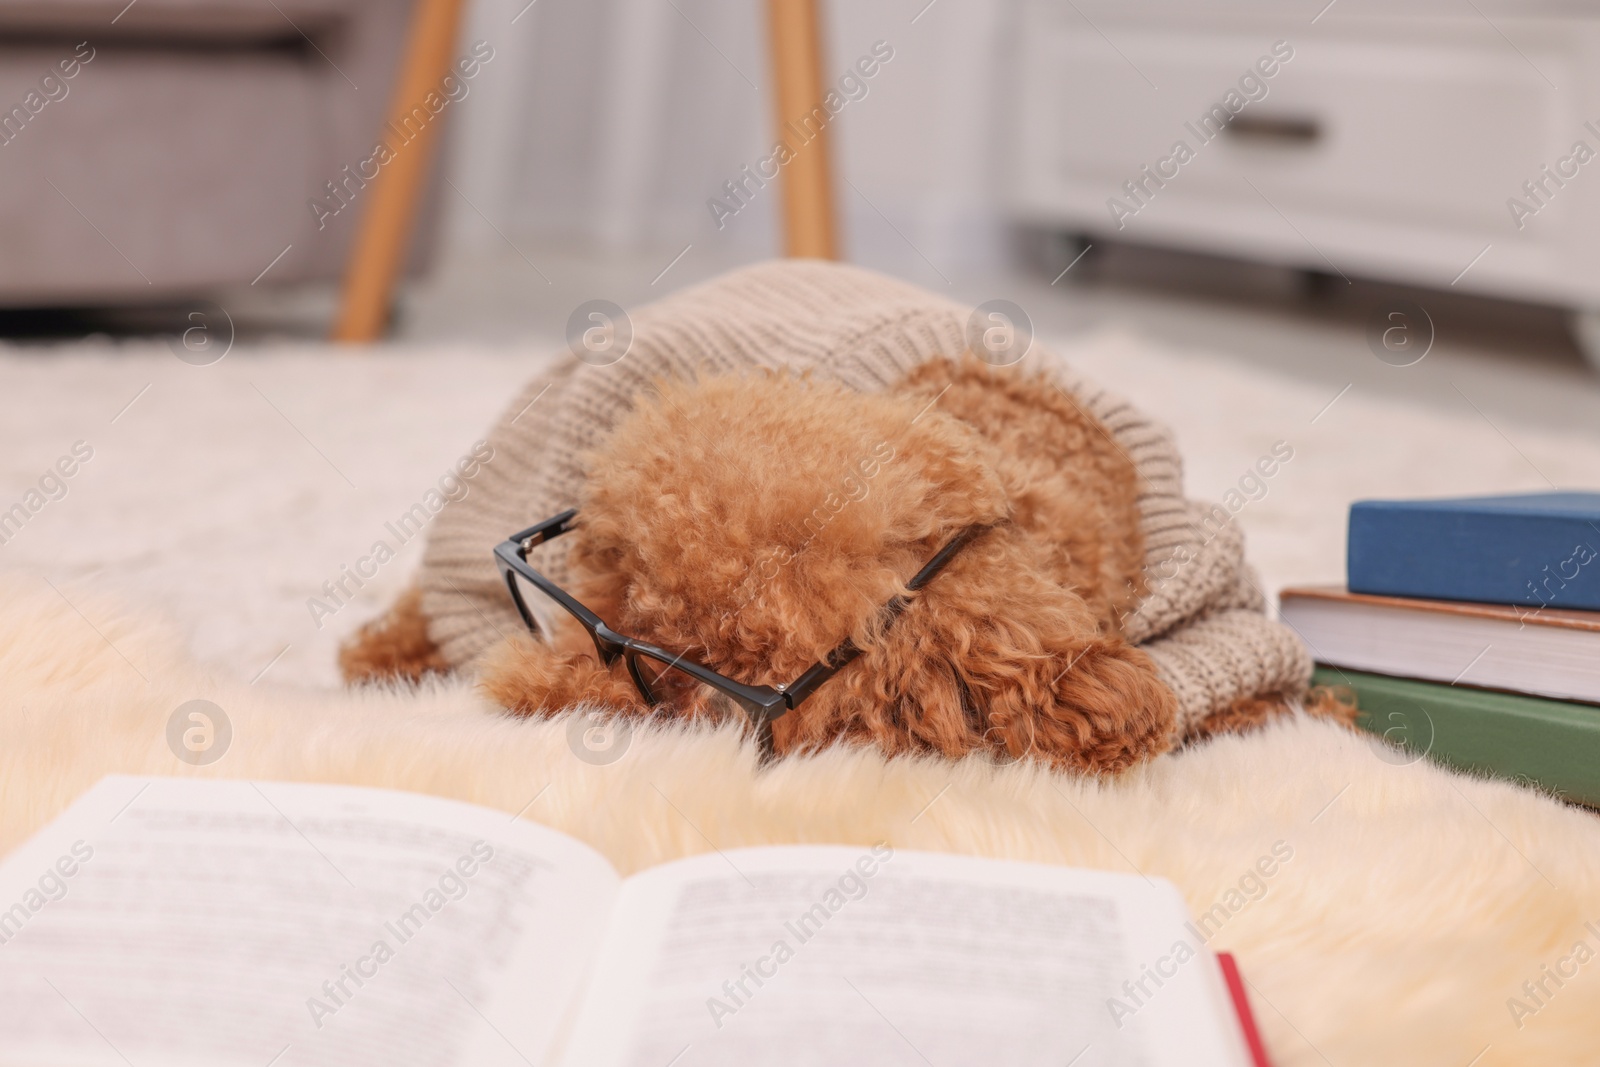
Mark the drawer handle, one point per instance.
(1274, 130)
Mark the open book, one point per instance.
(264, 924)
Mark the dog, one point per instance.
(756, 524)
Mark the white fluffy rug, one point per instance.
(1417, 902)
(1413, 904)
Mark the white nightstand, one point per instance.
(1387, 141)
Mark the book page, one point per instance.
(180, 921)
(799, 956)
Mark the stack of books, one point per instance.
(1470, 632)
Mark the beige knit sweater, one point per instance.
(1202, 621)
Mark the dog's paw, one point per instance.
(1103, 711)
(527, 677)
(393, 646)
(1094, 707)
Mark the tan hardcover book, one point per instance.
(1546, 652)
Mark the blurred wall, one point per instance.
(613, 122)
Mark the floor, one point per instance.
(1511, 360)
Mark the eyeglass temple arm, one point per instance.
(808, 682)
(941, 558)
(546, 530)
(842, 656)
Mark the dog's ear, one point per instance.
(1067, 479)
(996, 656)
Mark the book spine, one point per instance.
(1241, 1008)
(1532, 561)
(1552, 743)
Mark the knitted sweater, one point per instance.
(1202, 620)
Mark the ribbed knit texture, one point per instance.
(1201, 621)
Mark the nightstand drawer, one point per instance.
(1435, 133)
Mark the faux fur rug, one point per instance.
(1413, 907)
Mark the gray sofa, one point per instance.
(172, 149)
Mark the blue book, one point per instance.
(1535, 549)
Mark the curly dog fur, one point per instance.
(756, 523)
(395, 645)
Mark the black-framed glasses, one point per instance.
(664, 677)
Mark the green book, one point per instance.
(1552, 744)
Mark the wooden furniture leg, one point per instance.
(808, 219)
(385, 227)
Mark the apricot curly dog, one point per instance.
(754, 524)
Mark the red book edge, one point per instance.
(1241, 1007)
